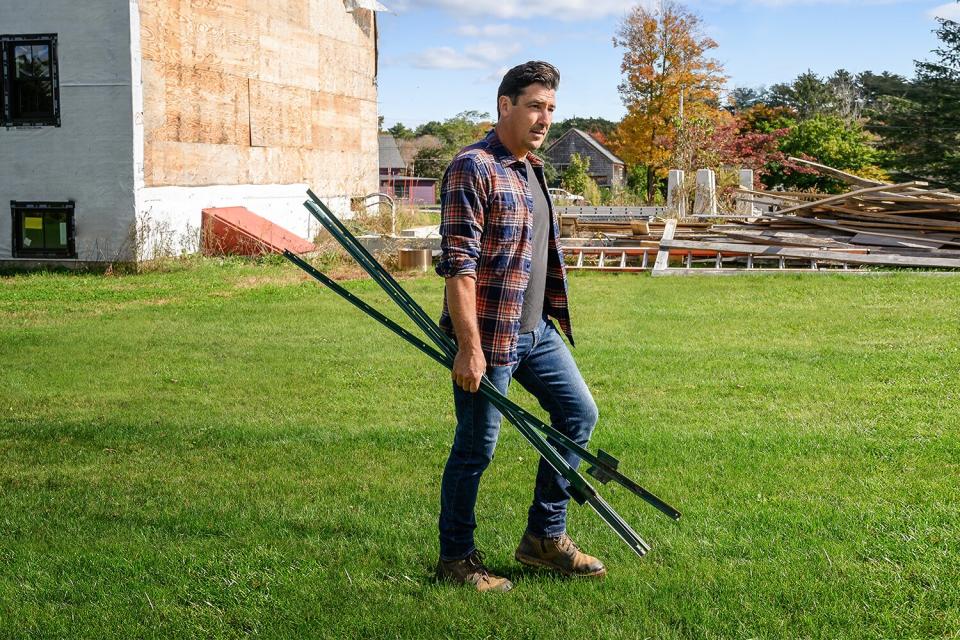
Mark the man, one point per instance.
(504, 276)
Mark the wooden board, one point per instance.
(815, 254)
(280, 116)
(663, 256)
(195, 106)
(849, 178)
(265, 92)
(881, 241)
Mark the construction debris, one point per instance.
(874, 224)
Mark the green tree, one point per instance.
(464, 128)
(922, 125)
(875, 88)
(577, 174)
(431, 128)
(454, 133)
(808, 95)
(742, 98)
(761, 118)
(431, 162)
(576, 179)
(400, 131)
(831, 141)
(847, 95)
(637, 179)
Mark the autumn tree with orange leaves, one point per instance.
(667, 78)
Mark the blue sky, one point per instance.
(441, 57)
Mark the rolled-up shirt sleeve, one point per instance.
(463, 200)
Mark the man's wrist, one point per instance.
(471, 348)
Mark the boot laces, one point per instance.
(565, 542)
(475, 562)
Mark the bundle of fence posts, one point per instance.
(604, 467)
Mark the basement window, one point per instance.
(44, 230)
(30, 82)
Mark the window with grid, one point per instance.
(43, 229)
(29, 80)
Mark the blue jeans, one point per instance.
(546, 369)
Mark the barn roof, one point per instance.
(390, 153)
(589, 139)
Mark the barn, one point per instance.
(605, 168)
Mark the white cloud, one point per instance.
(479, 55)
(492, 51)
(949, 11)
(495, 76)
(445, 58)
(501, 31)
(509, 9)
(584, 10)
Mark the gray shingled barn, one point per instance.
(605, 168)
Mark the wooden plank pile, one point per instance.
(626, 232)
(876, 224)
(904, 224)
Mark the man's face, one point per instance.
(524, 126)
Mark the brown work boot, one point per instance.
(470, 570)
(560, 554)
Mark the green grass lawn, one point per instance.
(230, 450)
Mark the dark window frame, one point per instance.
(402, 188)
(7, 43)
(19, 209)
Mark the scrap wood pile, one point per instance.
(628, 232)
(905, 225)
(627, 245)
(875, 223)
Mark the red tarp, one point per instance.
(239, 231)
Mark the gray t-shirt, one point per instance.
(533, 296)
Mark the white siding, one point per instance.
(169, 220)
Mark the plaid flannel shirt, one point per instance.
(486, 226)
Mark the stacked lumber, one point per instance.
(907, 225)
(627, 231)
(874, 223)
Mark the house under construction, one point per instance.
(121, 121)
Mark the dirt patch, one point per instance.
(159, 302)
(254, 282)
(345, 272)
(353, 271)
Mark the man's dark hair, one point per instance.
(524, 75)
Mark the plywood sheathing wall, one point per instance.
(259, 92)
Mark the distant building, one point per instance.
(391, 162)
(410, 189)
(395, 180)
(605, 168)
(121, 121)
